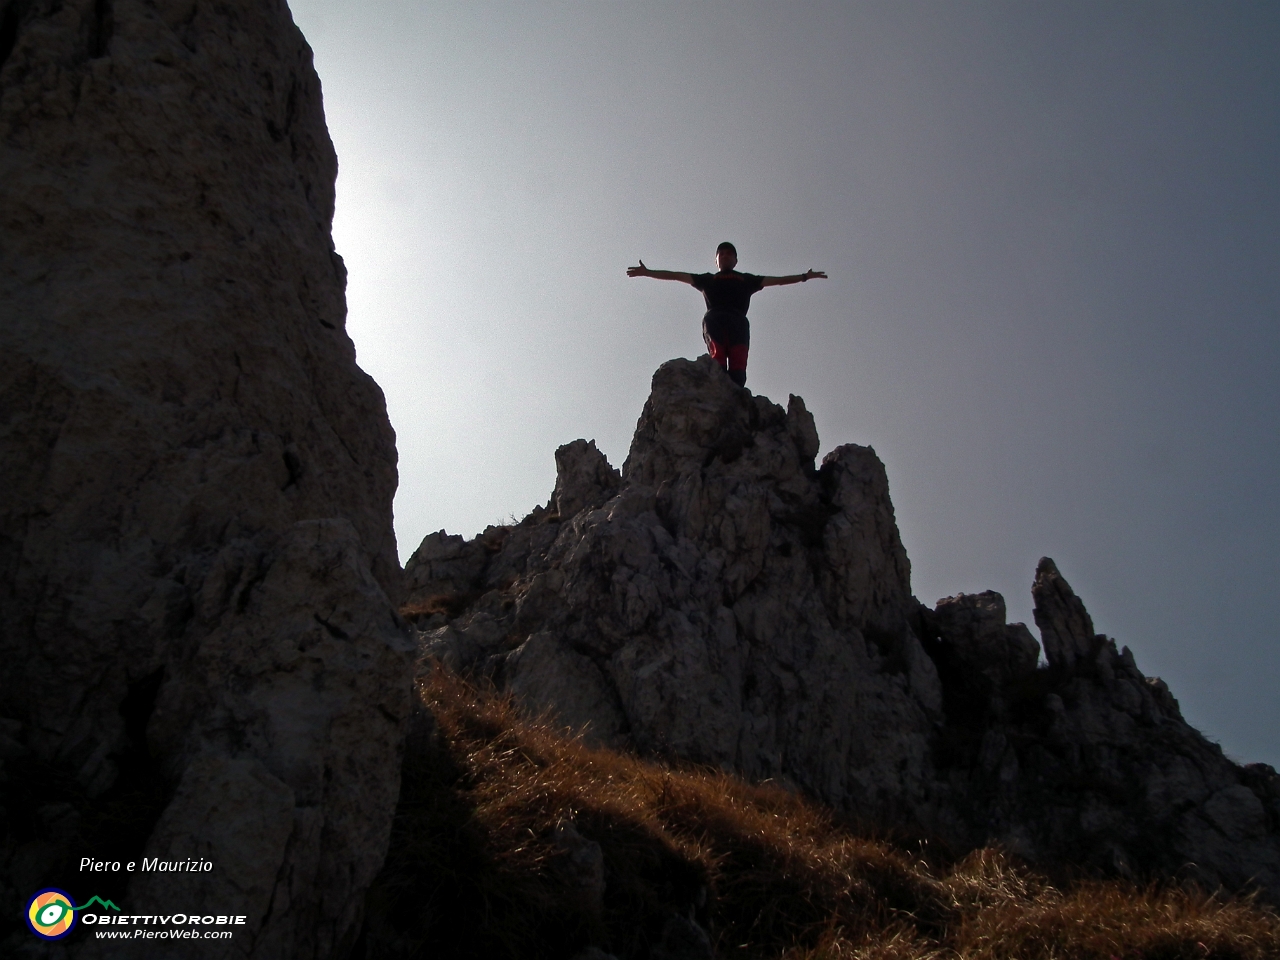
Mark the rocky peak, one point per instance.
(727, 601)
(584, 478)
(977, 640)
(1064, 623)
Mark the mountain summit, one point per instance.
(726, 600)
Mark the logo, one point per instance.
(51, 914)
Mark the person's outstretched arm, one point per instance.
(795, 278)
(643, 271)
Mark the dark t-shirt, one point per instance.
(728, 293)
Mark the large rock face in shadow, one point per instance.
(196, 552)
(724, 601)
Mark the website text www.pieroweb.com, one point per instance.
(54, 914)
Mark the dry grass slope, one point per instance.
(475, 870)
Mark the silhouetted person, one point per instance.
(728, 294)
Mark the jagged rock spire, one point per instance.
(1065, 625)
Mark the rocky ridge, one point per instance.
(200, 654)
(723, 599)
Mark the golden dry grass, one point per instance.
(474, 869)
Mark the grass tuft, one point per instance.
(475, 869)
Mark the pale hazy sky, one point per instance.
(1053, 236)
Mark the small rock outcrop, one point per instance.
(727, 600)
(200, 654)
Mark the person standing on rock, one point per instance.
(728, 294)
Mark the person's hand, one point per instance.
(812, 274)
(640, 271)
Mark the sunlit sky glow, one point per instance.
(1052, 232)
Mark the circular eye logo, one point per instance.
(51, 914)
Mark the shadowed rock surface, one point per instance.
(199, 649)
(728, 601)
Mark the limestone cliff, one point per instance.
(727, 601)
(199, 647)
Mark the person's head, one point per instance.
(726, 256)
